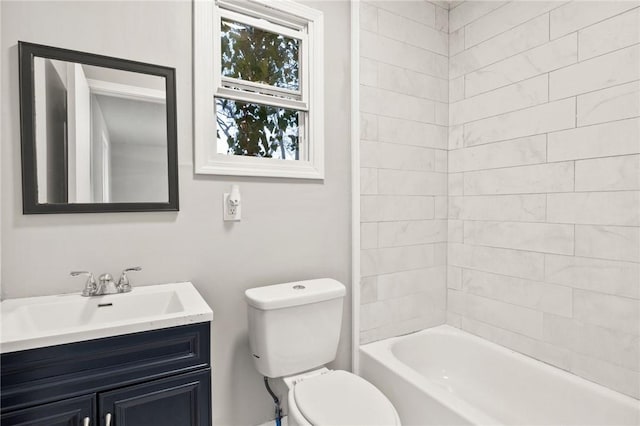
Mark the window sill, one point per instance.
(262, 167)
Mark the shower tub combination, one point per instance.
(445, 376)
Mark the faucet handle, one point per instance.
(90, 286)
(123, 282)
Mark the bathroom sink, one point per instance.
(33, 322)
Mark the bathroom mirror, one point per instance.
(98, 133)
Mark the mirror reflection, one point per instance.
(100, 134)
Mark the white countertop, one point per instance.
(34, 322)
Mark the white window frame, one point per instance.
(284, 17)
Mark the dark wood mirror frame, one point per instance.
(30, 205)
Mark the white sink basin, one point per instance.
(34, 322)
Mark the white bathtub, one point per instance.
(445, 376)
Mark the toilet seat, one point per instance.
(342, 398)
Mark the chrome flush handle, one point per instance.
(86, 421)
(107, 419)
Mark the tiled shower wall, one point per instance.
(544, 180)
(404, 108)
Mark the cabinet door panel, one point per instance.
(69, 412)
(182, 400)
(43, 375)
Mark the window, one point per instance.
(258, 89)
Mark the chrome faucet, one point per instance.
(90, 286)
(123, 281)
(106, 284)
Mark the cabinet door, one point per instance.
(183, 400)
(78, 411)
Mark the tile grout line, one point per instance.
(598, 22)
(544, 281)
(411, 19)
(548, 102)
(377, 33)
(419, 98)
(492, 91)
(586, 126)
(489, 194)
(578, 45)
(549, 40)
(529, 251)
(552, 131)
(546, 148)
(534, 223)
(500, 34)
(521, 24)
(566, 160)
(554, 70)
(377, 114)
(481, 16)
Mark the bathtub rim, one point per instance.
(382, 352)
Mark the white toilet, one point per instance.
(294, 330)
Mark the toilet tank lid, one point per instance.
(294, 293)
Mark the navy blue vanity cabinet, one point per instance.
(71, 411)
(181, 400)
(154, 378)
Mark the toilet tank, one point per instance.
(294, 327)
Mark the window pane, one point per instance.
(257, 130)
(253, 54)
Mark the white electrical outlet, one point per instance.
(231, 212)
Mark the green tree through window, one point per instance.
(251, 129)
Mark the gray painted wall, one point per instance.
(290, 230)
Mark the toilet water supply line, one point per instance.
(276, 401)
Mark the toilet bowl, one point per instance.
(336, 397)
(294, 330)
